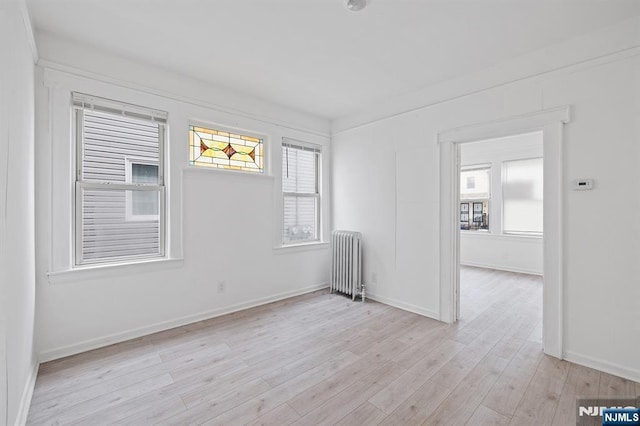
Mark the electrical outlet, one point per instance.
(374, 277)
(222, 286)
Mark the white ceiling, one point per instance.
(317, 56)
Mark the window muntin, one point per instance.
(119, 207)
(226, 150)
(475, 194)
(301, 192)
(522, 196)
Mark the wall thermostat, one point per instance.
(582, 184)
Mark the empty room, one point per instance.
(319, 212)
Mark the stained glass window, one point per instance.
(225, 150)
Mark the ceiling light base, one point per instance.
(356, 5)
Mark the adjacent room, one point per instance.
(351, 212)
(501, 222)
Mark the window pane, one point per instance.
(298, 170)
(106, 231)
(300, 218)
(145, 203)
(474, 216)
(109, 139)
(522, 196)
(144, 173)
(475, 184)
(225, 150)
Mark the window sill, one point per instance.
(314, 245)
(525, 236)
(485, 234)
(84, 273)
(213, 171)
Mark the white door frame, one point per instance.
(551, 123)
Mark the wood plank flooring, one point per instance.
(322, 359)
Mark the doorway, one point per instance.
(501, 232)
(550, 124)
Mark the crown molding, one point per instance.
(26, 19)
(609, 44)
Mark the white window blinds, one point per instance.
(522, 190)
(301, 195)
(119, 181)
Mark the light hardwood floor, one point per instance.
(322, 359)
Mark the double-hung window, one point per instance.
(301, 192)
(120, 187)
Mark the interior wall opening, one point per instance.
(500, 218)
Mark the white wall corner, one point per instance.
(26, 19)
(27, 394)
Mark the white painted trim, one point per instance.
(551, 123)
(404, 306)
(502, 237)
(217, 172)
(107, 270)
(99, 342)
(293, 248)
(604, 366)
(26, 18)
(70, 70)
(27, 394)
(535, 121)
(502, 268)
(449, 231)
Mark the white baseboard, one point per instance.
(404, 306)
(99, 342)
(605, 366)
(27, 394)
(503, 268)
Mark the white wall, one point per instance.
(17, 280)
(493, 249)
(224, 226)
(398, 179)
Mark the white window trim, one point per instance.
(80, 185)
(128, 175)
(297, 144)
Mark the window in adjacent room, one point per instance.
(225, 150)
(301, 192)
(522, 192)
(475, 194)
(120, 188)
